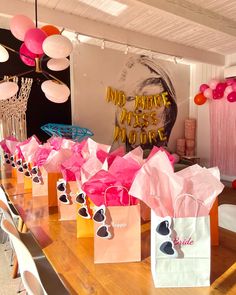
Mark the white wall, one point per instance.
(94, 69)
(230, 60)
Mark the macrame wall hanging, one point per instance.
(13, 110)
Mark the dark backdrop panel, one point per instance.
(40, 110)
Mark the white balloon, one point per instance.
(57, 46)
(8, 89)
(56, 100)
(4, 55)
(55, 92)
(58, 64)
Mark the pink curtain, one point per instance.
(223, 135)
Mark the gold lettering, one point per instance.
(111, 95)
(165, 98)
(161, 134)
(154, 119)
(126, 116)
(149, 102)
(139, 102)
(132, 137)
(137, 122)
(157, 101)
(121, 98)
(143, 137)
(115, 96)
(145, 120)
(119, 133)
(152, 136)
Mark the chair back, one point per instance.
(31, 283)
(4, 199)
(25, 260)
(6, 213)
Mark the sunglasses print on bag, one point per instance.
(84, 211)
(163, 230)
(19, 162)
(63, 198)
(19, 165)
(99, 216)
(13, 164)
(20, 169)
(36, 175)
(9, 160)
(6, 157)
(25, 166)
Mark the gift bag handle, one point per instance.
(183, 196)
(198, 204)
(116, 186)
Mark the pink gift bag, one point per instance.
(117, 233)
(66, 198)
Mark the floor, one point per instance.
(8, 286)
(228, 196)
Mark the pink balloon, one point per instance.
(220, 87)
(19, 25)
(203, 87)
(228, 90)
(231, 97)
(24, 52)
(34, 39)
(234, 86)
(208, 93)
(213, 83)
(230, 81)
(217, 94)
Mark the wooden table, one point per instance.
(72, 258)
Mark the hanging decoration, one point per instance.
(38, 44)
(215, 89)
(13, 109)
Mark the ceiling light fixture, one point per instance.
(126, 49)
(97, 41)
(103, 44)
(37, 43)
(151, 54)
(77, 37)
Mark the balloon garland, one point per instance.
(216, 89)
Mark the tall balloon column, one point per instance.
(215, 89)
(38, 42)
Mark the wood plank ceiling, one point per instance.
(186, 22)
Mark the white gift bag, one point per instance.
(180, 258)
